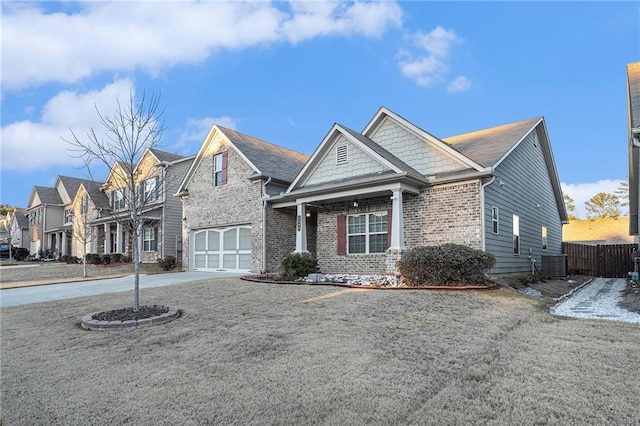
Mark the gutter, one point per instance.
(264, 225)
(483, 213)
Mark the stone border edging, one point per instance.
(564, 296)
(260, 279)
(88, 323)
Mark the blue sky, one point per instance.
(285, 72)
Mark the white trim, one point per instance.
(360, 193)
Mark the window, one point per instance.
(217, 170)
(544, 238)
(516, 234)
(68, 216)
(117, 199)
(150, 189)
(367, 233)
(84, 205)
(494, 219)
(342, 154)
(150, 239)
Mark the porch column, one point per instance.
(107, 238)
(119, 242)
(301, 229)
(63, 245)
(397, 225)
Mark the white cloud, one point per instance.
(431, 68)
(198, 129)
(123, 36)
(459, 84)
(582, 192)
(31, 145)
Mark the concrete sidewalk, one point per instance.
(597, 300)
(45, 293)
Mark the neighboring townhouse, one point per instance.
(50, 216)
(223, 198)
(45, 211)
(158, 175)
(89, 205)
(633, 113)
(18, 227)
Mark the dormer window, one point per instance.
(220, 168)
(342, 154)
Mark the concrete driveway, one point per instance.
(47, 293)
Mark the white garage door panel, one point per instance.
(222, 249)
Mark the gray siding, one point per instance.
(172, 214)
(526, 192)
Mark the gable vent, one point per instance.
(342, 156)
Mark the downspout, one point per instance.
(483, 214)
(264, 225)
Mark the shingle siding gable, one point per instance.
(414, 151)
(359, 163)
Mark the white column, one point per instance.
(63, 246)
(397, 226)
(107, 238)
(301, 229)
(119, 241)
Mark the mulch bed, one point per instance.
(127, 314)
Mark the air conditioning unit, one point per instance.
(555, 265)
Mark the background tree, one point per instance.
(5, 208)
(623, 193)
(571, 207)
(127, 133)
(602, 205)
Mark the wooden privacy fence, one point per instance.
(607, 260)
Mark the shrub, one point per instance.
(298, 265)
(63, 259)
(93, 258)
(445, 264)
(106, 259)
(116, 257)
(73, 259)
(524, 280)
(169, 263)
(126, 259)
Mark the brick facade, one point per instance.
(237, 202)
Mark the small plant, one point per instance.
(524, 280)
(298, 265)
(445, 264)
(126, 258)
(106, 259)
(116, 257)
(93, 258)
(169, 263)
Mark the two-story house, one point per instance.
(157, 176)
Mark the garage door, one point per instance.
(222, 249)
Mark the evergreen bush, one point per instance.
(448, 264)
(298, 265)
(169, 263)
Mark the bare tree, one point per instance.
(602, 205)
(82, 232)
(126, 134)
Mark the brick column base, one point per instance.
(392, 258)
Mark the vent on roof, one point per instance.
(342, 156)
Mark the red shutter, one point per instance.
(225, 159)
(389, 217)
(342, 235)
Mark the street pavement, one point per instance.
(47, 293)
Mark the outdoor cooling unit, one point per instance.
(555, 265)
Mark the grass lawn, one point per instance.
(247, 353)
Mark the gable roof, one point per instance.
(97, 196)
(72, 184)
(165, 156)
(490, 146)
(47, 195)
(265, 158)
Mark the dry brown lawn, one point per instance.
(247, 353)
